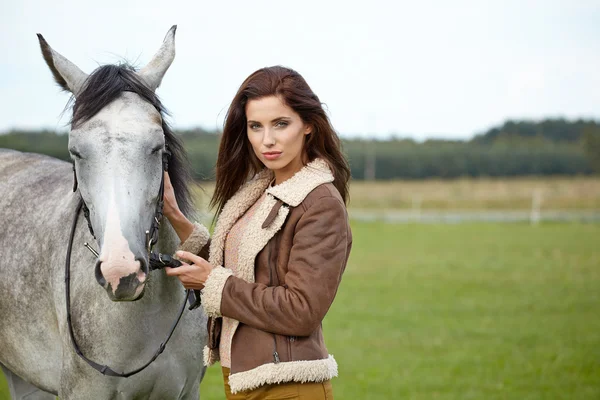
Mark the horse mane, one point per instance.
(107, 83)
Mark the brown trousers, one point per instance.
(291, 390)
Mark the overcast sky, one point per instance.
(411, 68)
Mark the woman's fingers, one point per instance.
(168, 185)
(170, 202)
(182, 269)
(191, 276)
(186, 255)
(167, 179)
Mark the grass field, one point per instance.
(555, 193)
(467, 311)
(475, 311)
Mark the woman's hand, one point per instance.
(194, 275)
(171, 208)
(183, 226)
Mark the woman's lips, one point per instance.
(272, 155)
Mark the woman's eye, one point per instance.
(254, 126)
(282, 123)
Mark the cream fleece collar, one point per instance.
(294, 190)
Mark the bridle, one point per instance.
(156, 261)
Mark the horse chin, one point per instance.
(128, 293)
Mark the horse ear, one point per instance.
(66, 74)
(154, 71)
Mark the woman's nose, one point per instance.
(268, 138)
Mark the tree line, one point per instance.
(516, 148)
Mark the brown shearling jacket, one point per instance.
(290, 264)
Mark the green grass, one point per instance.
(468, 311)
(554, 193)
(475, 311)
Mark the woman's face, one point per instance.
(276, 133)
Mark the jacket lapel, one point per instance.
(235, 207)
(256, 237)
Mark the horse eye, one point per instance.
(75, 154)
(157, 149)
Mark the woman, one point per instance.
(280, 244)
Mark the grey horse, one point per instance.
(120, 311)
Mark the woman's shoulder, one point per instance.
(323, 212)
(324, 193)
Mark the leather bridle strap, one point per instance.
(104, 369)
(152, 238)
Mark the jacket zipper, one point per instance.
(291, 340)
(275, 353)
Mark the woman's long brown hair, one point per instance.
(236, 161)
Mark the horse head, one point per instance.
(118, 142)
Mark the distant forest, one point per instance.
(548, 147)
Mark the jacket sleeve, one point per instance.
(317, 259)
(198, 242)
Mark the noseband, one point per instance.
(156, 261)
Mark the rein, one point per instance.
(156, 261)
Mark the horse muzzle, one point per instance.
(123, 280)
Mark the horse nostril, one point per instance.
(143, 265)
(98, 273)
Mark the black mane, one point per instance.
(107, 83)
